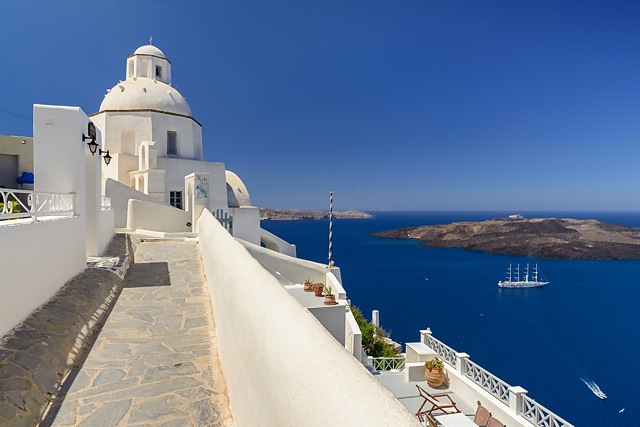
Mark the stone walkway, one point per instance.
(155, 362)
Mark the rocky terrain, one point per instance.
(539, 237)
(275, 214)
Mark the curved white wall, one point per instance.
(154, 217)
(281, 366)
(276, 243)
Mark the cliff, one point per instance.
(277, 214)
(539, 237)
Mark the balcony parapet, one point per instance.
(21, 204)
(106, 203)
(514, 398)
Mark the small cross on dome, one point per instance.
(151, 40)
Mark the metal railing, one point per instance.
(225, 220)
(106, 203)
(485, 379)
(388, 363)
(540, 416)
(16, 204)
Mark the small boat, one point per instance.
(595, 389)
(513, 278)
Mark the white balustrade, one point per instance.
(485, 379)
(388, 363)
(106, 203)
(445, 352)
(513, 397)
(540, 416)
(15, 204)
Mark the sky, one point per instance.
(393, 105)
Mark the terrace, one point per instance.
(468, 385)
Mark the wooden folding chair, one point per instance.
(482, 416)
(436, 405)
(494, 422)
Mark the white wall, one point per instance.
(295, 269)
(154, 217)
(106, 229)
(120, 195)
(37, 259)
(276, 243)
(177, 169)
(246, 223)
(281, 366)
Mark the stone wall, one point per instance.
(37, 355)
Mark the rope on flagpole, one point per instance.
(330, 227)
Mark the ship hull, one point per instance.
(507, 284)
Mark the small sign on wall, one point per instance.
(201, 184)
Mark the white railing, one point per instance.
(388, 363)
(15, 204)
(485, 379)
(540, 416)
(445, 352)
(514, 398)
(106, 203)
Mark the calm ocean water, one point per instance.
(584, 324)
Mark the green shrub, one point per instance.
(14, 204)
(373, 344)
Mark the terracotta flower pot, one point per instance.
(435, 378)
(330, 300)
(317, 289)
(308, 287)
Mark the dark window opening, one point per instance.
(172, 143)
(175, 199)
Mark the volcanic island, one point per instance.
(537, 237)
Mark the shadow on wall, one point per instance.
(144, 275)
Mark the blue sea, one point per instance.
(584, 325)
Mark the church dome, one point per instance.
(145, 94)
(149, 50)
(147, 86)
(237, 193)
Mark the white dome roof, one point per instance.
(145, 94)
(149, 50)
(237, 193)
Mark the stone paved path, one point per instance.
(155, 363)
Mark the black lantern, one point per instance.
(106, 157)
(91, 131)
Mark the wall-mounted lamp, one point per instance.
(106, 157)
(93, 145)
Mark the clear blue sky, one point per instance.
(513, 105)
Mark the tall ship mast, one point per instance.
(515, 282)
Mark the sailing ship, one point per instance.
(513, 278)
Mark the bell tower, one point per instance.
(149, 62)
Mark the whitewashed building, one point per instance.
(155, 142)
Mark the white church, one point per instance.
(155, 142)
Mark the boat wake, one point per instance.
(595, 389)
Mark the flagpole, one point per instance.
(330, 227)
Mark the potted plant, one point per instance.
(434, 372)
(308, 285)
(329, 297)
(317, 289)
